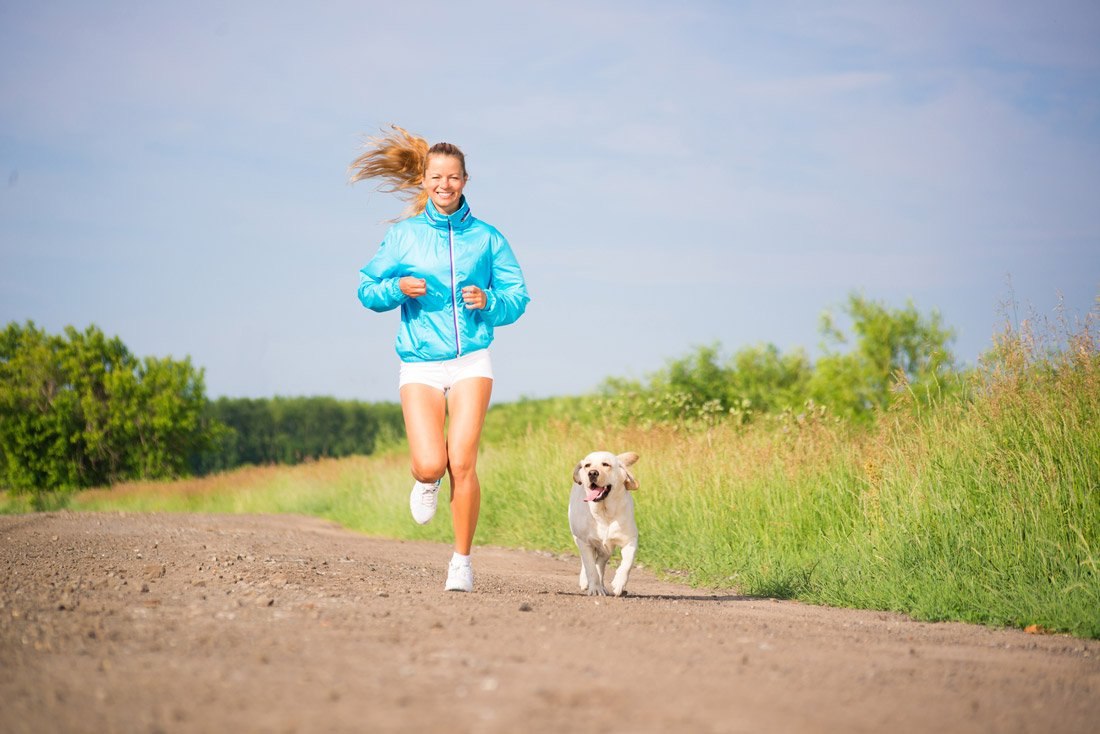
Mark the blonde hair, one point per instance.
(399, 159)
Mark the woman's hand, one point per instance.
(474, 298)
(412, 286)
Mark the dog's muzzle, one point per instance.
(595, 493)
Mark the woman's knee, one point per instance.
(428, 468)
(462, 467)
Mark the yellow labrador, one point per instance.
(601, 516)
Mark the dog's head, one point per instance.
(601, 471)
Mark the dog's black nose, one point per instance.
(593, 475)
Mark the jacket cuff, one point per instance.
(490, 301)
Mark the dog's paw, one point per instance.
(618, 590)
(597, 591)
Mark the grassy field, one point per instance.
(985, 508)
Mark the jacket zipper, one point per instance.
(454, 298)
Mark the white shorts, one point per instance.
(443, 375)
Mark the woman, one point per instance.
(455, 279)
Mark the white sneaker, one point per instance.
(460, 577)
(423, 500)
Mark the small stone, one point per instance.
(525, 607)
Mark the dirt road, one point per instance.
(193, 623)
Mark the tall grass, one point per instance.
(983, 508)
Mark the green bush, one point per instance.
(892, 350)
(80, 410)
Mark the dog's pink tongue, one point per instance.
(591, 493)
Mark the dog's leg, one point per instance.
(590, 578)
(602, 557)
(618, 584)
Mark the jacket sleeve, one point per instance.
(506, 297)
(379, 280)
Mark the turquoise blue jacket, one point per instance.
(449, 252)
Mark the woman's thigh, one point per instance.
(467, 402)
(424, 408)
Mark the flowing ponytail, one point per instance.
(399, 159)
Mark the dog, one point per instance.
(601, 517)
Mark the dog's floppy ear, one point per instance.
(626, 460)
(577, 473)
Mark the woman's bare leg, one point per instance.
(424, 408)
(467, 402)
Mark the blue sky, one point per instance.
(669, 174)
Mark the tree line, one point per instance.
(870, 353)
(78, 409)
(291, 430)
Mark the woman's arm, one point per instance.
(380, 281)
(506, 297)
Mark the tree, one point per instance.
(892, 347)
(80, 410)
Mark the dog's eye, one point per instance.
(607, 465)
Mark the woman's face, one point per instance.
(444, 180)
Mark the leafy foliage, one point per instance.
(292, 430)
(80, 410)
(893, 347)
(894, 350)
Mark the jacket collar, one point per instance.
(461, 219)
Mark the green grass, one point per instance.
(983, 509)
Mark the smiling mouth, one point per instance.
(596, 493)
